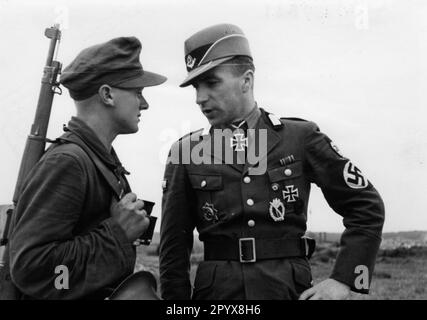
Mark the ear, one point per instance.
(248, 81)
(106, 95)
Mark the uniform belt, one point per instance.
(251, 249)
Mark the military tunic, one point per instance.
(63, 219)
(225, 203)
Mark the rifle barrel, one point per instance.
(36, 143)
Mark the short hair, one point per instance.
(240, 64)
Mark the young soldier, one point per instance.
(76, 216)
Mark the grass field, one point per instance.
(400, 273)
(394, 278)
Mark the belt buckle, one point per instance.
(242, 260)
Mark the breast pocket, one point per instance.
(286, 173)
(286, 186)
(210, 195)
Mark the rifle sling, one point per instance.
(110, 177)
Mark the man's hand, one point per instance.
(328, 289)
(129, 214)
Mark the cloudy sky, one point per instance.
(356, 68)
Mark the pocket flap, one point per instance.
(205, 182)
(205, 276)
(302, 273)
(291, 171)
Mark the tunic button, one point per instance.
(250, 202)
(275, 186)
(251, 223)
(288, 172)
(246, 179)
(203, 184)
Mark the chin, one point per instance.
(130, 131)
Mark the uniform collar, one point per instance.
(271, 119)
(252, 117)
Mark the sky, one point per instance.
(356, 68)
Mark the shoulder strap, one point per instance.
(113, 181)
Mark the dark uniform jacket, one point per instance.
(226, 204)
(63, 219)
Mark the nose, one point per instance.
(143, 103)
(201, 95)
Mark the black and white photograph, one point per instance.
(234, 151)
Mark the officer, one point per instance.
(252, 222)
(76, 219)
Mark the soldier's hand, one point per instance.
(328, 289)
(130, 215)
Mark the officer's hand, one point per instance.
(328, 289)
(129, 214)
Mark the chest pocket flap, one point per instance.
(290, 171)
(206, 182)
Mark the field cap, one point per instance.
(115, 62)
(212, 46)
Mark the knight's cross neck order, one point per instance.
(239, 140)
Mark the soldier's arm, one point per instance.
(47, 212)
(176, 233)
(352, 196)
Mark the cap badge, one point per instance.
(190, 61)
(277, 210)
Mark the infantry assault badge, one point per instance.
(209, 212)
(277, 210)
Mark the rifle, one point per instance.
(36, 140)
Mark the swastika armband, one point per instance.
(353, 177)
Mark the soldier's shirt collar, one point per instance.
(80, 128)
